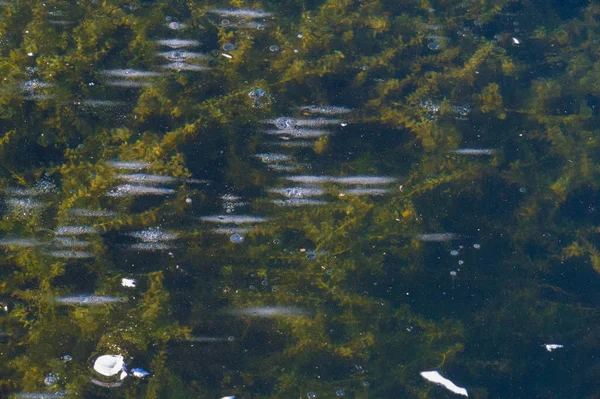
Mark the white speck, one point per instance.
(30, 54)
(139, 373)
(552, 347)
(227, 55)
(188, 200)
(516, 41)
(436, 378)
(128, 282)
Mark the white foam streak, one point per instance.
(437, 237)
(299, 133)
(89, 300)
(269, 311)
(134, 190)
(184, 66)
(67, 254)
(241, 13)
(130, 73)
(128, 165)
(75, 230)
(325, 110)
(178, 43)
(91, 212)
(142, 178)
(474, 151)
(347, 180)
(293, 202)
(233, 219)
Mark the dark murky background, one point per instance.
(299, 199)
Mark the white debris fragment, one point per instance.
(436, 378)
(128, 282)
(516, 41)
(552, 347)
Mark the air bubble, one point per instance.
(434, 46)
(50, 380)
(274, 48)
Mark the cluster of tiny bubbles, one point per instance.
(236, 238)
(256, 93)
(434, 46)
(45, 186)
(285, 123)
(274, 48)
(228, 47)
(50, 380)
(311, 395)
(259, 97)
(340, 392)
(67, 358)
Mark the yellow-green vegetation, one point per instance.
(373, 302)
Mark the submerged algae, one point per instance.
(377, 295)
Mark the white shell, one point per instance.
(109, 365)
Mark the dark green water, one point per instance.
(299, 199)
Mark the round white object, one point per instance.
(109, 365)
